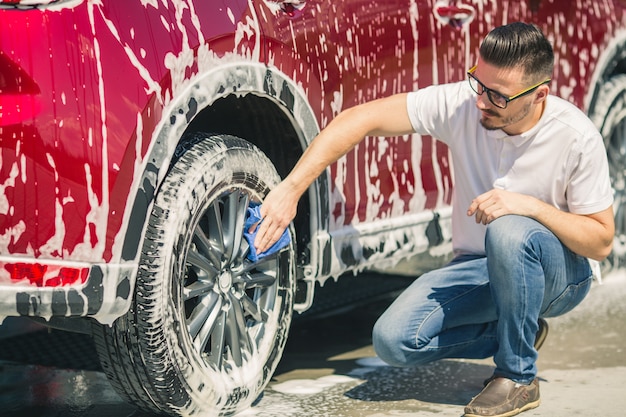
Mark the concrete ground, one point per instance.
(329, 369)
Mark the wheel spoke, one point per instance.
(268, 258)
(232, 338)
(216, 232)
(236, 331)
(218, 340)
(203, 316)
(241, 323)
(200, 262)
(258, 279)
(203, 243)
(235, 213)
(197, 289)
(254, 310)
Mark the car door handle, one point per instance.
(455, 15)
(292, 8)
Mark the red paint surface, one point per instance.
(51, 120)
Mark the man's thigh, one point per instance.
(455, 295)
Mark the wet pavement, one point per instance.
(329, 369)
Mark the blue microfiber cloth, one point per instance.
(253, 215)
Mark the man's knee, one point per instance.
(387, 344)
(511, 233)
(395, 347)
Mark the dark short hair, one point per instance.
(519, 44)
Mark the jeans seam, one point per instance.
(440, 307)
(570, 290)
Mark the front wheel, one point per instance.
(207, 327)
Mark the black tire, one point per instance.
(609, 115)
(207, 327)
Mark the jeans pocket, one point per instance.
(568, 299)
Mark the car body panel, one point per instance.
(99, 93)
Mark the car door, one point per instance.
(357, 51)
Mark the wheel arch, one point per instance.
(612, 62)
(254, 102)
(270, 126)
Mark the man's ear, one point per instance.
(542, 93)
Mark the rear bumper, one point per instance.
(104, 296)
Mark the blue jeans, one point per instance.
(482, 306)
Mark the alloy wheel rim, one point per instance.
(228, 301)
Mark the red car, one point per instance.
(135, 134)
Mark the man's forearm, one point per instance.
(384, 117)
(587, 235)
(590, 236)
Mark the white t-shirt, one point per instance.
(561, 160)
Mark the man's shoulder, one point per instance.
(559, 106)
(447, 88)
(440, 110)
(566, 113)
(449, 95)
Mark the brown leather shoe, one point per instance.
(503, 397)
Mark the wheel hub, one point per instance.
(225, 281)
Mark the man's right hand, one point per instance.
(277, 211)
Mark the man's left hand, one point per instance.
(496, 203)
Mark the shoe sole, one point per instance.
(515, 412)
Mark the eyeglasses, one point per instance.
(496, 98)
